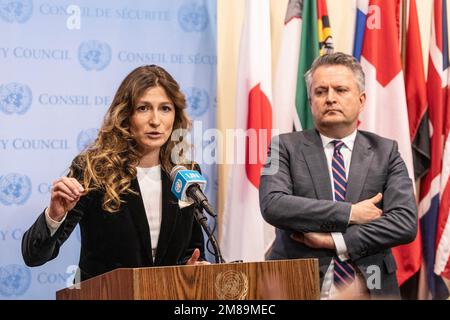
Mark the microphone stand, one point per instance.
(201, 218)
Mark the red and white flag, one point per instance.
(386, 112)
(245, 235)
(409, 256)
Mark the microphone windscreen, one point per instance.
(175, 170)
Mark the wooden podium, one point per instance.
(278, 279)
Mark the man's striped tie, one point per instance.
(344, 273)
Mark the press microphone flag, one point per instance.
(189, 185)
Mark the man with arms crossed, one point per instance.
(340, 194)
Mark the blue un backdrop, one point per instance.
(60, 65)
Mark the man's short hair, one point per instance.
(337, 59)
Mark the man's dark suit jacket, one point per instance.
(118, 240)
(298, 198)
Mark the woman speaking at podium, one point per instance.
(118, 189)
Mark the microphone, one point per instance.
(190, 184)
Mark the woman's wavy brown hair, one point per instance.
(109, 163)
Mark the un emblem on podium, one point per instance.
(16, 11)
(231, 285)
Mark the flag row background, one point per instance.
(387, 80)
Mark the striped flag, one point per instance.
(309, 50)
(306, 34)
(314, 23)
(362, 7)
(245, 235)
(324, 28)
(442, 261)
(442, 264)
(433, 208)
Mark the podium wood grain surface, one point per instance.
(296, 279)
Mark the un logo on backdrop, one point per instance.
(14, 189)
(85, 138)
(193, 16)
(14, 280)
(16, 11)
(197, 101)
(15, 98)
(94, 55)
